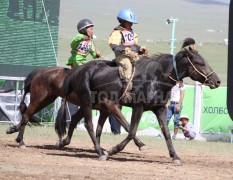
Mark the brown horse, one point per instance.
(45, 85)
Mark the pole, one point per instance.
(173, 22)
(173, 37)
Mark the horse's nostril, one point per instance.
(218, 83)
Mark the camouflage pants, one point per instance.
(125, 67)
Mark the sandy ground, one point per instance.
(42, 160)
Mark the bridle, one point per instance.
(195, 70)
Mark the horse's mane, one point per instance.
(152, 63)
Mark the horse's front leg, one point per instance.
(115, 110)
(89, 126)
(162, 119)
(102, 119)
(136, 116)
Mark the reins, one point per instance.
(195, 70)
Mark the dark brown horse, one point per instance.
(98, 81)
(45, 86)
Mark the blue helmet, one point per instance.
(127, 15)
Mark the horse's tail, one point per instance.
(27, 84)
(67, 86)
(60, 124)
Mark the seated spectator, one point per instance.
(187, 128)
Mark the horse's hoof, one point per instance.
(177, 162)
(103, 158)
(143, 148)
(10, 130)
(59, 144)
(105, 151)
(110, 152)
(22, 145)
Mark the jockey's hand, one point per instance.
(143, 50)
(86, 38)
(98, 55)
(133, 55)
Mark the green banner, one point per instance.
(215, 116)
(149, 119)
(29, 35)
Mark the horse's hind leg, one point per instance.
(31, 110)
(21, 127)
(75, 119)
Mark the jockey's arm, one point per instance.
(94, 52)
(120, 49)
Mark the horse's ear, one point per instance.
(186, 51)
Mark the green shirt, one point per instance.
(80, 49)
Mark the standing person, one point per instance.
(174, 107)
(26, 5)
(82, 45)
(124, 42)
(187, 128)
(13, 9)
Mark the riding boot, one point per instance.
(127, 88)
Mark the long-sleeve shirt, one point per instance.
(121, 38)
(80, 49)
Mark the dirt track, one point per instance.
(41, 160)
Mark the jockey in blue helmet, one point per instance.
(124, 42)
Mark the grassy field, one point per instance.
(196, 18)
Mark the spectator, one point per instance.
(175, 106)
(115, 125)
(187, 128)
(26, 4)
(13, 9)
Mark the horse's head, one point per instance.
(191, 63)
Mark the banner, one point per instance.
(150, 120)
(215, 117)
(29, 35)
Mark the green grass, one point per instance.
(47, 132)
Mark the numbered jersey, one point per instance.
(84, 47)
(127, 38)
